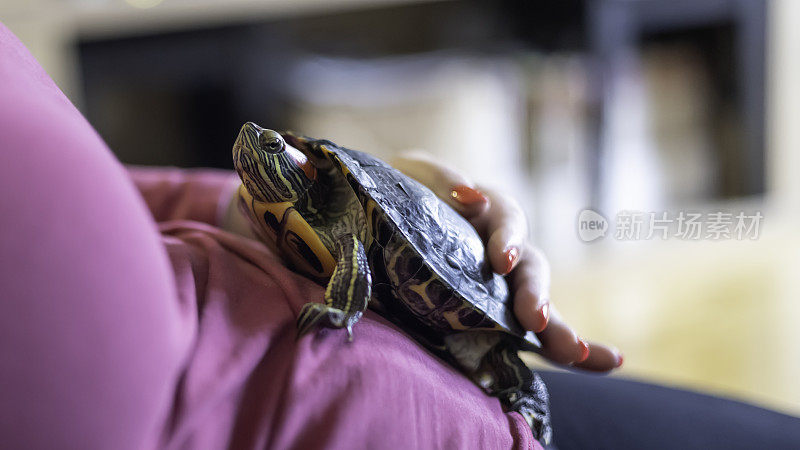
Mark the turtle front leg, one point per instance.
(347, 294)
(503, 374)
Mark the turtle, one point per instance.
(377, 238)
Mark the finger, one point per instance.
(453, 187)
(504, 227)
(602, 358)
(560, 343)
(530, 285)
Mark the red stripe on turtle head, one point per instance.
(302, 162)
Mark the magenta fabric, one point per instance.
(120, 332)
(90, 350)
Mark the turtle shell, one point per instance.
(427, 250)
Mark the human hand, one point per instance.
(502, 225)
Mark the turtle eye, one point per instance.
(271, 144)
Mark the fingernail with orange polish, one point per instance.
(545, 313)
(511, 253)
(583, 351)
(468, 196)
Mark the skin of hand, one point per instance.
(502, 224)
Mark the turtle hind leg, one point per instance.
(503, 374)
(347, 294)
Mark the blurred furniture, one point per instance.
(732, 34)
(213, 76)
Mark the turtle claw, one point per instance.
(316, 314)
(309, 318)
(304, 327)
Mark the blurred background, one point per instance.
(615, 105)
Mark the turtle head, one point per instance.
(271, 170)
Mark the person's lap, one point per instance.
(117, 336)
